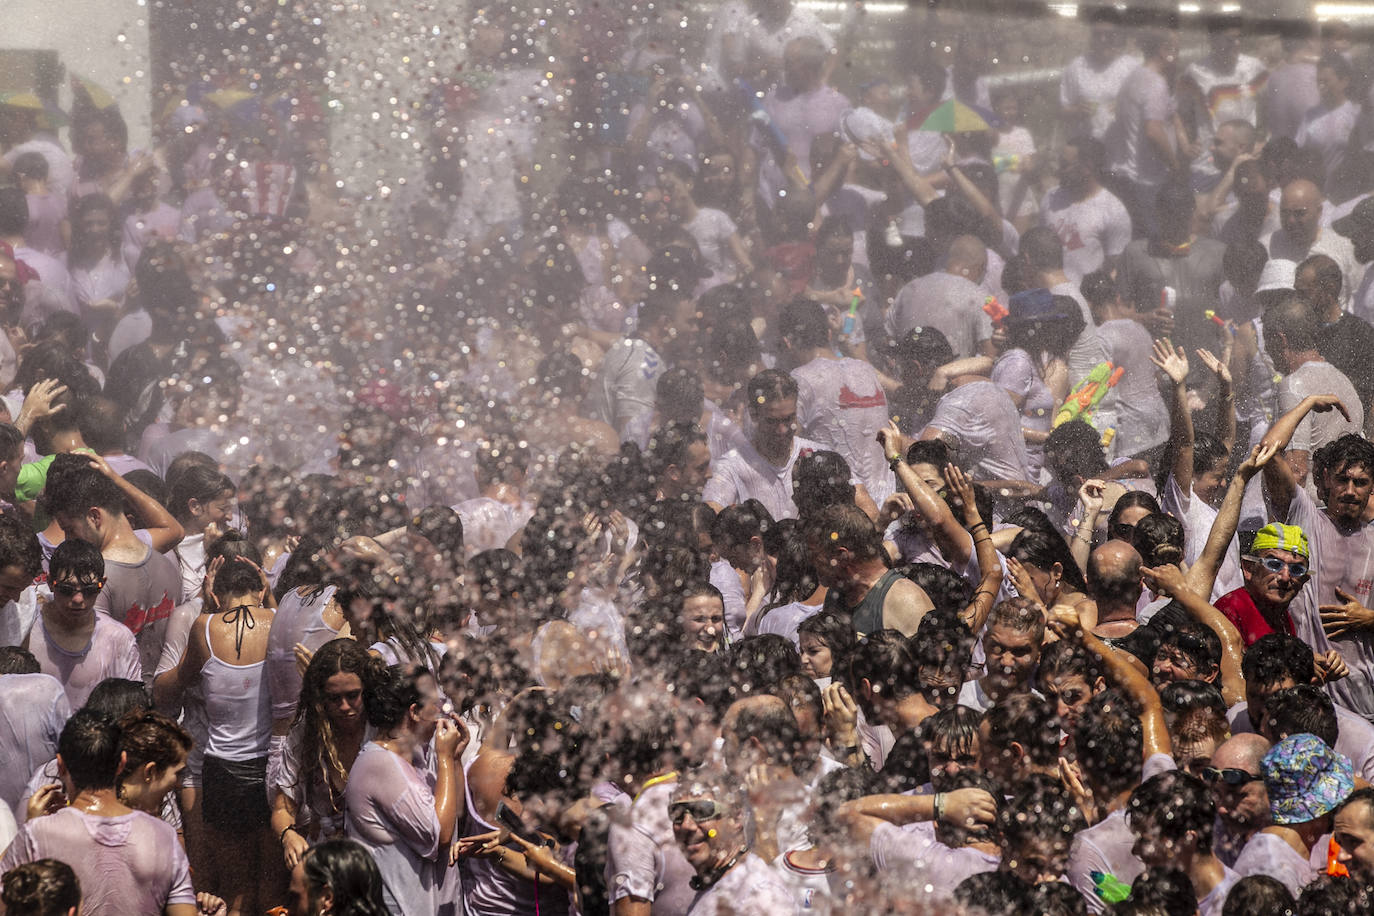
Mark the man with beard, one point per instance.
(1332, 612)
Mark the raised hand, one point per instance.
(1219, 367)
(1172, 360)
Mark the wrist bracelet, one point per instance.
(281, 837)
(939, 805)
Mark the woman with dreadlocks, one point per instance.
(329, 730)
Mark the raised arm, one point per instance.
(1202, 575)
(1090, 499)
(1226, 396)
(1280, 480)
(950, 537)
(164, 531)
(985, 595)
(1064, 620)
(1174, 363)
(1168, 580)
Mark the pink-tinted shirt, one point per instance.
(111, 652)
(130, 865)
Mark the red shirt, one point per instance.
(1241, 610)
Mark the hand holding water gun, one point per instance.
(1084, 399)
(851, 319)
(995, 310)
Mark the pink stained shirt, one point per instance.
(130, 865)
(111, 652)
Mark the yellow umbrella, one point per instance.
(96, 94)
(224, 99)
(28, 100)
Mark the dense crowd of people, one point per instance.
(731, 481)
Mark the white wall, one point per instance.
(104, 41)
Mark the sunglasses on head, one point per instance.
(67, 590)
(701, 810)
(1275, 565)
(1230, 775)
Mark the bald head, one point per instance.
(1114, 575)
(1241, 752)
(967, 257)
(760, 729)
(1300, 210)
(1319, 280)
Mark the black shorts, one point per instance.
(234, 794)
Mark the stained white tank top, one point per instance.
(238, 705)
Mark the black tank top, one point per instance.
(867, 615)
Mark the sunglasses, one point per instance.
(69, 591)
(1231, 776)
(1275, 565)
(706, 809)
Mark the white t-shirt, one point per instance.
(1082, 84)
(1197, 518)
(751, 888)
(1317, 429)
(712, 230)
(1266, 854)
(950, 303)
(1092, 230)
(1327, 130)
(1142, 418)
(745, 474)
(1144, 97)
(841, 405)
(944, 867)
(985, 426)
(1343, 560)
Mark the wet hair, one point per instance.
(1029, 721)
(18, 660)
(1179, 697)
(19, 545)
(1199, 644)
(1349, 451)
(1066, 658)
(1160, 892)
(1258, 895)
(237, 577)
(1176, 803)
(678, 395)
(1133, 499)
(87, 203)
(836, 632)
(101, 422)
(794, 578)
(442, 526)
(389, 695)
(78, 559)
(1334, 896)
(737, 525)
(498, 458)
(319, 752)
(1020, 615)
(1303, 709)
(351, 875)
(31, 165)
(1336, 63)
(540, 720)
(1208, 451)
(1100, 287)
(804, 324)
(74, 487)
(89, 747)
(774, 726)
(11, 443)
(848, 527)
(43, 887)
(1277, 657)
(147, 736)
(933, 452)
(768, 386)
(821, 479)
(1053, 334)
(197, 482)
(1039, 813)
(998, 892)
(1110, 741)
(116, 697)
(1158, 538)
(759, 662)
(884, 660)
(953, 729)
(1077, 448)
(1057, 898)
(1042, 550)
(947, 590)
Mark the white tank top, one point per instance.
(238, 706)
